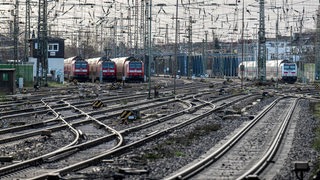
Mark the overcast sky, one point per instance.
(223, 17)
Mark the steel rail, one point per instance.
(267, 157)
(124, 148)
(23, 164)
(9, 169)
(43, 158)
(197, 167)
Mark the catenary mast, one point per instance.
(262, 45)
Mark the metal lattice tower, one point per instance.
(27, 30)
(16, 32)
(166, 38)
(115, 25)
(317, 48)
(129, 29)
(262, 45)
(190, 47)
(136, 26)
(300, 48)
(42, 41)
(122, 52)
(142, 25)
(178, 33)
(146, 29)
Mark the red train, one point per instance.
(76, 68)
(102, 66)
(129, 69)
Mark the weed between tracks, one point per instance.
(172, 146)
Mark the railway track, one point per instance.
(82, 147)
(53, 122)
(69, 118)
(247, 152)
(69, 109)
(144, 137)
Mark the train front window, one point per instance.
(292, 67)
(108, 65)
(289, 67)
(136, 65)
(286, 67)
(81, 65)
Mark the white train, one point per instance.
(287, 71)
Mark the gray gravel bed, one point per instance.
(36, 146)
(26, 119)
(146, 115)
(302, 146)
(172, 152)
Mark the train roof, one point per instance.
(97, 59)
(280, 61)
(269, 63)
(75, 58)
(123, 59)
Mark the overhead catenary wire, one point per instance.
(88, 14)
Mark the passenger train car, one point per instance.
(102, 66)
(129, 69)
(287, 71)
(76, 68)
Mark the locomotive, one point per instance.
(129, 69)
(104, 67)
(76, 68)
(287, 71)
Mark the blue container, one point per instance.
(225, 65)
(183, 65)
